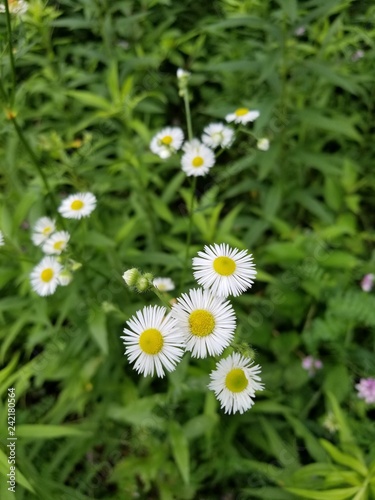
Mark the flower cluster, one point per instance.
(311, 365)
(55, 269)
(16, 7)
(202, 322)
(198, 155)
(366, 390)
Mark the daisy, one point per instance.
(242, 115)
(15, 7)
(366, 390)
(224, 270)
(167, 141)
(206, 322)
(234, 382)
(191, 145)
(1, 239)
(164, 284)
(152, 341)
(45, 276)
(217, 135)
(77, 205)
(57, 243)
(43, 229)
(197, 160)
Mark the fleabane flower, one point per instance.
(311, 365)
(263, 144)
(217, 135)
(1, 239)
(44, 277)
(366, 390)
(206, 322)
(43, 228)
(234, 382)
(182, 73)
(242, 115)
(224, 270)
(57, 243)
(15, 7)
(198, 159)
(152, 341)
(367, 282)
(167, 141)
(77, 205)
(164, 284)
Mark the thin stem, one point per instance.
(11, 56)
(188, 115)
(161, 298)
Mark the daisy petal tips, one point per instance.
(234, 382)
(224, 270)
(152, 341)
(77, 205)
(206, 322)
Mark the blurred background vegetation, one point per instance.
(95, 80)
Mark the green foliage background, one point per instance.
(95, 81)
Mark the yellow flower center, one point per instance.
(151, 341)
(224, 266)
(77, 205)
(236, 380)
(46, 275)
(241, 111)
(59, 245)
(167, 140)
(201, 323)
(47, 230)
(197, 161)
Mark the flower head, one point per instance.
(224, 270)
(217, 135)
(242, 115)
(367, 282)
(45, 276)
(43, 229)
(57, 243)
(206, 322)
(198, 159)
(234, 382)
(167, 141)
(263, 144)
(77, 205)
(182, 73)
(311, 365)
(16, 7)
(65, 277)
(152, 341)
(164, 284)
(366, 389)
(131, 276)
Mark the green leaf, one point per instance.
(90, 99)
(180, 449)
(39, 431)
(344, 459)
(336, 494)
(98, 328)
(20, 478)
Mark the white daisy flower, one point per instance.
(206, 322)
(191, 145)
(234, 382)
(224, 270)
(152, 341)
(1, 239)
(164, 284)
(242, 115)
(15, 7)
(197, 160)
(57, 243)
(45, 276)
(263, 144)
(182, 73)
(217, 135)
(77, 205)
(167, 141)
(43, 229)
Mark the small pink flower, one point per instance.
(357, 55)
(366, 389)
(301, 30)
(367, 282)
(311, 365)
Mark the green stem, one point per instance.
(11, 56)
(161, 298)
(188, 115)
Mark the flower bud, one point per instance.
(131, 276)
